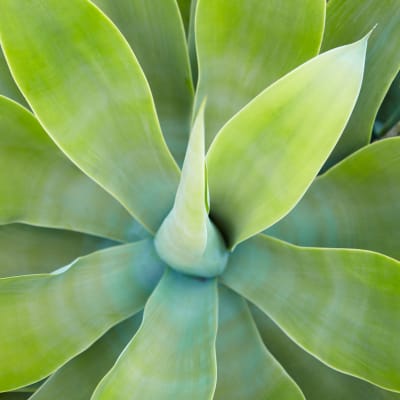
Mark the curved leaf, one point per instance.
(7, 85)
(355, 204)
(316, 379)
(256, 171)
(92, 97)
(40, 186)
(184, 8)
(187, 240)
(14, 396)
(341, 305)
(48, 319)
(246, 370)
(244, 46)
(78, 379)
(347, 21)
(172, 357)
(154, 30)
(26, 249)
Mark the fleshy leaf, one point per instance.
(184, 8)
(347, 21)
(40, 186)
(154, 30)
(93, 99)
(8, 87)
(26, 249)
(172, 357)
(266, 156)
(341, 305)
(187, 240)
(246, 370)
(355, 204)
(244, 46)
(78, 379)
(316, 379)
(50, 318)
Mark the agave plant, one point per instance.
(165, 157)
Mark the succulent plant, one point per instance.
(165, 230)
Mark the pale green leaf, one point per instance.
(244, 46)
(172, 357)
(87, 88)
(316, 379)
(347, 21)
(341, 305)
(355, 204)
(246, 370)
(7, 85)
(40, 186)
(264, 158)
(26, 249)
(48, 319)
(187, 240)
(155, 32)
(78, 379)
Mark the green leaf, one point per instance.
(264, 158)
(244, 46)
(341, 305)
(50, 318)
(347, 21)
(40, 186)
(246, 370)
(355, 204)
(7, 85)
(78, 379)
(155, 32)
(92, 97)
(187, 240)
(184, 8)
(316, 379)
(14, 396)
(26, 249)
(172, 357)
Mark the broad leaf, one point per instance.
(26, 249)
(93, 99)
(78, 379)
(50, 318)
(154, 30)
(246, 370)
(40, 186)
(244, 46)
(315, 379)
(172, 357)
(355, 204)
(187, 240)
(7, 85)
(347, 21)
(341, 305)
(266, 156)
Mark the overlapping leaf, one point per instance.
(40, 186)
(172, 357)
(355, 204)
(87, 88)
(266, 156)
(47, 319)
(341, 305)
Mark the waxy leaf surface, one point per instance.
(244, 46)
(341, 305)
(347, 21)
(87, 88)
(246, 370)
(172, 357)
(48, 319)
(355, 204)
(266, 156)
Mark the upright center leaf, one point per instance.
(187, 240)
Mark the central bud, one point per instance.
(205, 256)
